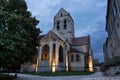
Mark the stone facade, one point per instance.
(60, 50)
(113, 71)
(74, 64)
(112, 44)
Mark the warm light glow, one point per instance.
(33, 65)
(67, 62)
(37, 65)
(53, 67)
(90, 64)
(56, 58)
(90, 67)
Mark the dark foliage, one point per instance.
(115, 61)
(18, 33)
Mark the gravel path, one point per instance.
(95, 76)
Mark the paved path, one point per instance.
(95, 76)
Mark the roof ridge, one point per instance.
(82, 36)
(52, 35)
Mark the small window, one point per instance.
(118, 25)
(77, 57)
(61, 14)
(72, 58)
(65, 24)
(58, 25)
(60, 54)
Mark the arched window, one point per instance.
(54, 48)
(72, 58)
(61, 14)
(60, 54)
(58, 25)
(77, 57)
(65, 24)
(45, 52)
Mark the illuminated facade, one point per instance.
(60, 50)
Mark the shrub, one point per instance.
(117, 73)
(115, 61)
(6, 77)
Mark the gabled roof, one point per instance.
(58, 34)
(80, 41)
(51, 35)
(63, 11)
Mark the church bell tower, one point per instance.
(64, 23)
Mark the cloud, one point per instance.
(96, 25)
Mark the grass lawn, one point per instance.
(6, 77)
(70, 73)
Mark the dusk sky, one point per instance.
(88, 16)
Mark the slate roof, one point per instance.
(80, 41)
(63, 11)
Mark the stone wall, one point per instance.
(28, 67)
(77, 65)
(44, 66)
(61, 67)
(112, 70)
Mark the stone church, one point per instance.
(60, 50)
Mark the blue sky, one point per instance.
(88, 15)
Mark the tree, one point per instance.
(18, 33)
